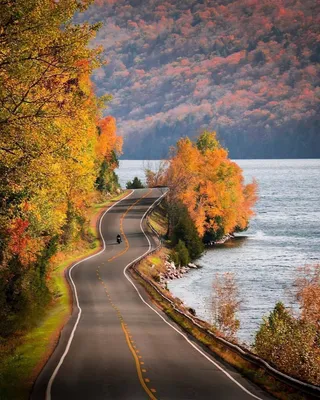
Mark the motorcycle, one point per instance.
(119, 239)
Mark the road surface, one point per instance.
(117, 344)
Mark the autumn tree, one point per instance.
(225, 305)
(291, 344)
(155, 176)
(48, 113)
(210, 185)
(109, 148)
(289, 340)
(307, 293)
(207, 141)
(50, 148)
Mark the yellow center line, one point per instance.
(121, 227)
(133, 350)
(124, 326)
(139, 370)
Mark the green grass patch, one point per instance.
(159, 221)
(156, 260)
(23, 355)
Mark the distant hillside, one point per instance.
(246, 68)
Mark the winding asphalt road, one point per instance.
(117, 344)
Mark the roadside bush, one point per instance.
(185, 230)
(226, 303)
(174, 257)
(23, 296)
(291, 344)
(135, 184)
(180, 255)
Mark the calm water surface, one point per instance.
(284, 234)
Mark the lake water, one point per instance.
(284, 234)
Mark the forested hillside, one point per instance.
(54, 149)
(246, 68)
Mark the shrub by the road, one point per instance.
(291, 344)
(185, 230)
(225, 305)
(180, 255)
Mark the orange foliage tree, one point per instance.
(109, 146)
(50, 147)
(210, 185)
(108, 139)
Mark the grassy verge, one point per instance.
(23, 356)
(159, 221)
(150, 267)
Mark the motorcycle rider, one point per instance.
(119, 240)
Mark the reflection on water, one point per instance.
(284, 234)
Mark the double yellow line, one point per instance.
(121, 227)
(134, 351)
(138, 365)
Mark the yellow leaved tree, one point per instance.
(51, 148)
(210, 185)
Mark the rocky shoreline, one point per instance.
(174, 272)
(221, 241)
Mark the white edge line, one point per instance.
(173, 327)
(48, 390)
